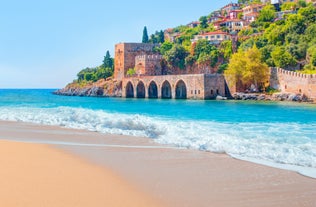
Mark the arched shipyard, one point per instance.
(151, 82)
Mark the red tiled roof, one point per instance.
(253, 6)
(169, 30)
(239, 10)
(214, 33)
(252, 14)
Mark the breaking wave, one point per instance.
(286, 144)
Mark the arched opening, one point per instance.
(140, 89)
(166, 90)
(153, 90)
(181, 90)
(129, 90)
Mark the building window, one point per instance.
(212, 92)
(199, 91)
(217, 92)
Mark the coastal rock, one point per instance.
(221, 98)
(289, 97)
(101, 88)
(247, 96)
(274, 97)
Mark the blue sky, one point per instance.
(44, 44)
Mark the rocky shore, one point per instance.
(274, 97)
(101, 88)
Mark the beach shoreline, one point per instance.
(176, 177)
(39, 175)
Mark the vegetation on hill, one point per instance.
(96, 73)
(287, 42)
(285, 39)
(275, 39)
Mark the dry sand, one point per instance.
(38, 176)
(173, 177)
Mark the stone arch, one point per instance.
(129, 90)
(166, 90)
(181, 90)
(152, 90)
(140, 90)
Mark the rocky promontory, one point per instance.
(102, 88)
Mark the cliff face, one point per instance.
(101, 88)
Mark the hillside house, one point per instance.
(170, 35)
(214, 38)
(193, 24)
(233, 25)
(251, 12)
(234, 14)
(213, 19)
(230, 7)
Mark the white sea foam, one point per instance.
(285, 145)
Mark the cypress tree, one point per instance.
(145, 35)
(161, 36)
(108, 61)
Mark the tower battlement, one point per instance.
(148, 58)
(125, 56)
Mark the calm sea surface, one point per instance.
(277, 134)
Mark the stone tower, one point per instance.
(148, 65)
(125, 54)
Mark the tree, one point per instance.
(247, 68)
(131, 72)
(176, 56)
(205, 53)
(267, 14)
(282, 58)
(226, 48)
(153, 39)
(203, 22)
(108, 61)
(301, 3)
(165, 47)
(161, 37)
(145, 35)
(103, 72)
(288, 6)
(312, 55)
(309, 14)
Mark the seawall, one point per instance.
(293, 82)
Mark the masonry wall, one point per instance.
(149, 65)
(214, 85)
(125, 54)
(198, 86)
(293, 82)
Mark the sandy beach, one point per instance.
(65, 167)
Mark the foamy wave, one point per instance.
(78, 118)
(282, 143)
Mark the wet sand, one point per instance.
(172, 177)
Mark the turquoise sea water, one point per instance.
(277, 134)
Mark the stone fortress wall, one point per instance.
(149, 81)
(293, 82)
(148, 65)
(125, 54)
